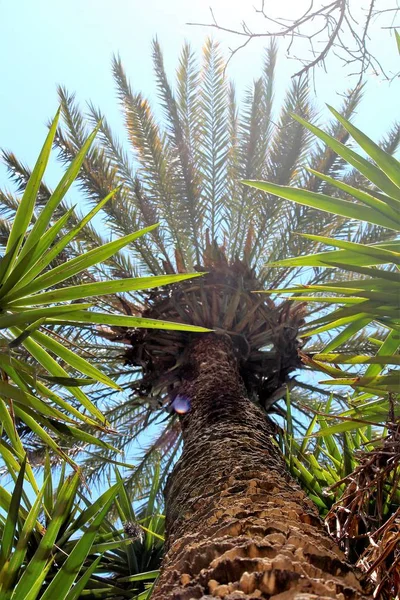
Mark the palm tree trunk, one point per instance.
(238, 525)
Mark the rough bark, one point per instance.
(238, 525)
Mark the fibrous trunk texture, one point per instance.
(238, 526)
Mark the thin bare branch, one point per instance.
(332, 25)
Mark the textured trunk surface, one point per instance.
(238, 526)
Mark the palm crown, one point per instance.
(185, 174)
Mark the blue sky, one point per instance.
(49, 42)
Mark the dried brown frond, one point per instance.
(381, 559)
(264, 334)
(366, 519)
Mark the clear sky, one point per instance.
(48, 42)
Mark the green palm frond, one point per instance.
(43, 288)
(213, 137)
(254, 131)
(178, 114)
(66, 544)
(323, 158)
(154, 155)
(352, 475)
(373, 298)
(87, 237)
(251, 159)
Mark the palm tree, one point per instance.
(237, 524)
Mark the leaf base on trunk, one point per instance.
(238, 525)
